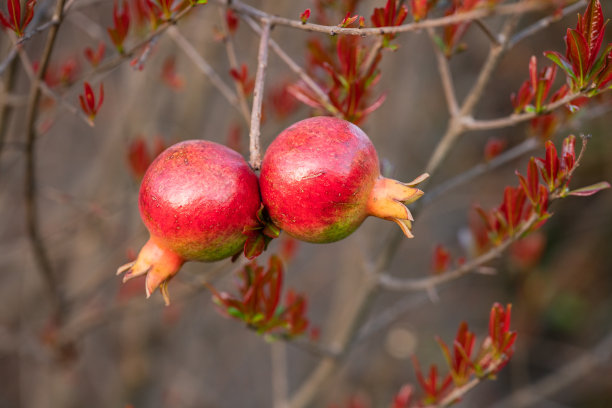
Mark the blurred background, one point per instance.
(113, 348)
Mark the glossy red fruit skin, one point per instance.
(316, 178)
(196, 198)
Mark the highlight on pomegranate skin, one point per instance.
(320, 178)
(195, 199)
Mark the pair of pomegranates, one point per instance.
(319, 180)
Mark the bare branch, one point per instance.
(405, 285)
(504, 9)
(487, 31)
(545, 22)
(576, 370)
(55, 20)
(203, 66)
(456, 126)
(446, 77)
(233, 62)
(516, 118)
(458, 393)
(323, 97)
(45, 89)
(278, 351)
(33, 225)
(113, 63)
(479, 169)
(262, 63)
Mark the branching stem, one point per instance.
(33, 226)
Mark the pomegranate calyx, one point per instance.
(158, 263)
(260, 235)
(388, 200)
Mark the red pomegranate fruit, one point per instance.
(195, 199)
(320, 178)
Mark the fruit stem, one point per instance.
(388, 200)
(158, 263)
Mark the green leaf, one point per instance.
(271, 230)
(589, 190)
(562, 62)
(232, 311)
(257, 318)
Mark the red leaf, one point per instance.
(441, 259)
(533, 72)
(578, 54)
(420, 8)
(493, 148)
(592, 27)
(305, 16)
(29, 13)
(550, 169)
(14, 10)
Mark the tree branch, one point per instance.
(233, 61)
(545, 22)
(446, 77)
(262, 63)
(406, 285)
(33, 226)
(456, 126)
(470, 123)
(203, 66)
(501, 10)
(323, 97)
(480, 169)
(575, 370)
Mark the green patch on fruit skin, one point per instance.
(213, 250)
(335, 231)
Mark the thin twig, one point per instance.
(255, 132)
(372, 55)
(44, 88)
(278, 354)
(33, 226)
(482, 168)
(458, 393)
(481, 12)
(470, 123)
(545, 22)
(233, 62)
(445, 76)
(129, 53)
(487, 31)
(8, 84)
(295, 67)
(31, 33)
(405, 285)
(456, 125)
(203, 66)
(138, 63)
(576, 370)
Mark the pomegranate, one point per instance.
(320, 179)
(195, 199)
